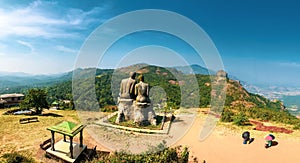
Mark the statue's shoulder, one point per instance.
(124, 80)
(143, 84)
(133, 80)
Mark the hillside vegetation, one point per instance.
(170, 88)
(107, 89)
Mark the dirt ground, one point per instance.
(224, 144)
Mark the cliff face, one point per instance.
(238, 96)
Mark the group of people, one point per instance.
(247, 139)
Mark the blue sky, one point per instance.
(258, 40)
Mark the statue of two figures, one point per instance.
(134, 103)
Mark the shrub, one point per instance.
(176, 154)
(227, 115)
(241, 119)
(296, 127)
(185, 154)
(109, 108)
(15, 157)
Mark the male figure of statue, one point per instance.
(127, 96)
(127, 87)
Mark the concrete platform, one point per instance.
(62, 150)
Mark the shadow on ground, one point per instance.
(51, 115)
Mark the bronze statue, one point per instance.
(127, 87)
(142, 90)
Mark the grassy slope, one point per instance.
(27, 137)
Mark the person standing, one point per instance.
(246, 137)
(269, 140)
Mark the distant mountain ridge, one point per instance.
(10, 82)
(194, 69)
(20, 74)
(13, 82)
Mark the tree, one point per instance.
(36, 98)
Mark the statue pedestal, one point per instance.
(144, 113)
(140, 113)
(125, 110)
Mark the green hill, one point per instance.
(11, 83)
(92, 89)
(168, 84)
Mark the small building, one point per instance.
(2, 102)
(55, 105)
(67, 150)
(9, 100)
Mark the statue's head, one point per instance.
(141, 78)
(132, 75)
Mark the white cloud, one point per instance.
(27, 44)
(2, 46)
(36, 20)
(40, 26)
(65, 49)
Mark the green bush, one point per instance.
(176, 154)
(296, 127)
(275, 115)
(240, 120)
(227, 115)
(109, 108)
(185, 154)
(15, 157)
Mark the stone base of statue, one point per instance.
(125, 110)
(143, 113)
